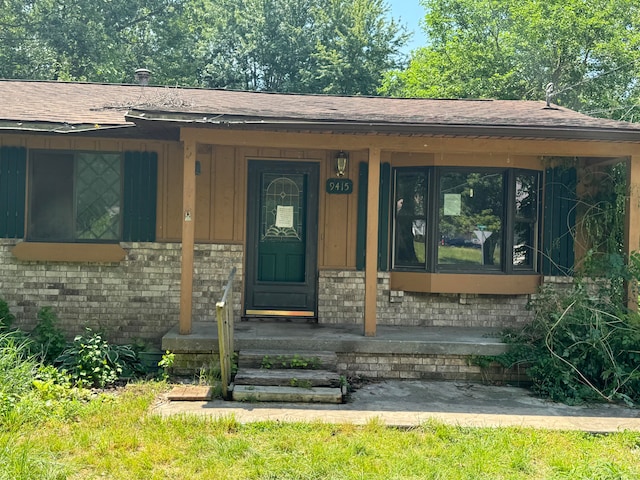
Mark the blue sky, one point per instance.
(409, 12)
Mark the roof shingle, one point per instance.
(86, 103)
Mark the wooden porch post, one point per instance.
(371, 249)
(188, 231)
(632, 221)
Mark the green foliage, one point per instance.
(296, 361)
(210, 374)
(601, 219)
(511, 49)
(6, 317)
(120, 439)
(581, 346)
(166, 363)
(319, 46)
(47, 337)
(92, 361)
(297, 383)
(17, 369)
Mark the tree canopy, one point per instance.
(314, 46)
(511, 49)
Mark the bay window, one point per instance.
(450, 219)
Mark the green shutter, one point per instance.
(361, 235)
(383, 216)
(140, 185)
(383, 221)
(13, 165)
(559, 221)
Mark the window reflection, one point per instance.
(470, 218)
(486, 219)
(410, 218)
(525, 223)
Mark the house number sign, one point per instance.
(339, 186)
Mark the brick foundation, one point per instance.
(136, 298)
(425, 367)
(341, 300)
(140, 296)
(387, 367)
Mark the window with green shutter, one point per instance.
(383, 216)
(140, 183)
(559, 221)
(13, 164)
(96, 197)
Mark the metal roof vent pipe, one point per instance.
(142, 76)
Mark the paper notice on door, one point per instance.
(284, 216)
(452, 204)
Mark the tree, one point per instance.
(95, 40)
(511, 49)
(312, 46)
(21, 54)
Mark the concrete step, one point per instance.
(256, 393)
(287, 377)
(277, 359)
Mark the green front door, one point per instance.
(282, 225)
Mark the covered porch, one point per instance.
(366, 276)
(396, 352)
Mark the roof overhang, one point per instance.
(58, 127)
(221, 121)
(129, 130)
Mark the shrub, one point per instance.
(6, 317)
(581, 346)
(91, 361)
(47, 337)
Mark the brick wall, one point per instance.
(136, 298)
(341, 297)
(424, 367)
(341, 300)
(140, 296)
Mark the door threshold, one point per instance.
(280, 313)
(269, 316)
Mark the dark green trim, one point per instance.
(559, 221)
(13, 167)
(383, 219)
(361, 235)
(140, 186)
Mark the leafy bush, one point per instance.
(47, 337)
(6, 317)
(92, 361)
(581, 346)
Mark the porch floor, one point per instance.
(282, 335)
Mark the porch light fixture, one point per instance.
(342, 163)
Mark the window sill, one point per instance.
(69, 252)
(473, 283)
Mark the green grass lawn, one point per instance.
(117, 438)
(448, 255)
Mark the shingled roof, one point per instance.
(66, 107)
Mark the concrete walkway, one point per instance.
(412, 403)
